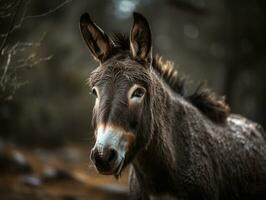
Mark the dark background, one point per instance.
(44, 96)
(45, 103)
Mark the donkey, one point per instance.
(178, 146)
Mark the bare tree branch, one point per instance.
(22, 55)
(49, 11)
(13, 65)
(10, 26)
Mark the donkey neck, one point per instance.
(164, 156)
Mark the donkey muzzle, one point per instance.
(104, 158)
(109, 151)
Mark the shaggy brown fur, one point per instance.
(203, 98)
(186, 146)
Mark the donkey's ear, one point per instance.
(98, 42)
(140, 39)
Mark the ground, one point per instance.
(64, 173)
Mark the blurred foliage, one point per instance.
(220, 41)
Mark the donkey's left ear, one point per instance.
(98, 42)
(140, 39)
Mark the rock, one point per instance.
(113, 188)
(30, 180)
(14, 162)
(54, 174)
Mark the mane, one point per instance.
(209, 103)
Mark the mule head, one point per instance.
(121, 85)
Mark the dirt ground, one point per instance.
(64, 173)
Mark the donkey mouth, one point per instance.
(119, 168)
(116, 169)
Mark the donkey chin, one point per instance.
(110, 150)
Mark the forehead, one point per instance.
(120, 70)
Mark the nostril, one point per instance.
(112, 155)
(98, 157)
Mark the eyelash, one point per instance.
(138, 93)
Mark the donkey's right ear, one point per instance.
(98, 42)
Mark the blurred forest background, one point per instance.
(44, 61)
(44, 64)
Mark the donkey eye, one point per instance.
(94, 92)
(138, 93)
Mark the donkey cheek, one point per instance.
(130, 138)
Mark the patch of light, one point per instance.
(124, 8)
